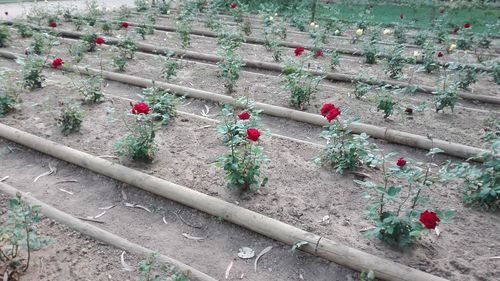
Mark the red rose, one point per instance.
(253, 134)
(319, 53)
(409, 110)
(141, 107)
(440, 54)
(125, 24)
(99, 41)
(53, 24)
(299, 51)
(401, 162)
(244, 115)
(233, 6)
(330, 111)
(333, 114)
(57, 62)
(401, 16)
(326, 108)
(456, 29)
(466, 25)
(429, 219)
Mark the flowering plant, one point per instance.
(300, 82)
(397, 200)
(139, 144)
(344, 150)
(481, 182)
(241, 133)
(161, 104)
(32, 71)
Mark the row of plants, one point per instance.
(296, 76)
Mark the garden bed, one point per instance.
(299, 192)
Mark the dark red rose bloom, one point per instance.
(409, 110)
(244, 115)
(233, 6)
(330, 111)
(466, 25)
(429, 219)
(319, 53)
(326, 108)
(456, 29)
(53, 24)
(57, 62)
(440, 55)
(333, 114)
(141, 107)
(253, 134)
(401, 162)
(401, 16)
(299, 51)
(99, 41)
(125, 24)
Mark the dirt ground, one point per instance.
(299, 192)
(72, 256)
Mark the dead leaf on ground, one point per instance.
(246, 253)
(193, 237)
(50, 172)
(124, 264)
(263, 252)
(228, 269)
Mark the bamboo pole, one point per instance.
(102, 235)
(316, 245)
(390, 135)
(152, 49)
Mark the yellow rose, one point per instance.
(359, 32)
(270, 18)
(452, 47)
(387, 31)
(337, 32)
(416, 54)
(312, 24)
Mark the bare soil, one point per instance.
(71, 255)
(299, 193)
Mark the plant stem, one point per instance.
(385, 187)
(27, 243)
(419, 190)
